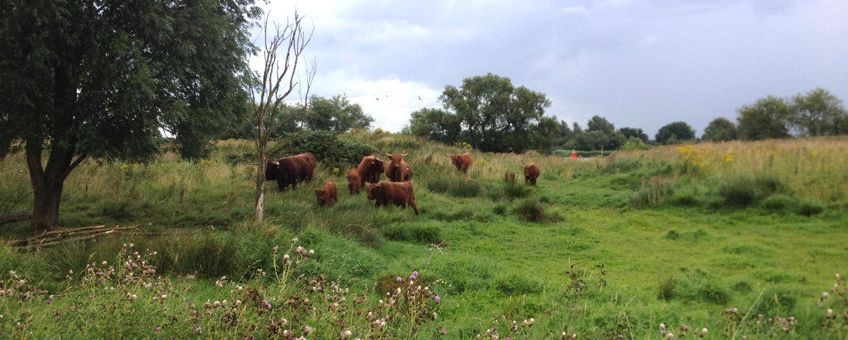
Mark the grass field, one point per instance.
(739, 238)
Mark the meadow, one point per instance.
(745, 239)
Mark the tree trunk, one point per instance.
(260, 170)
(45, 210)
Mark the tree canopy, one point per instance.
(767, 118)
(720, 129)
(494, 114)
(675, 132)
(819, 113)
(102, 79)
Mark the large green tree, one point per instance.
(494, 114)
(637, 133)
(675, 132)
(818, 113)
(767, 118)
(435, 124)
(83, 79)
(720, 129)
(336, 114)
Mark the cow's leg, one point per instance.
(414, 207)
(280, 185)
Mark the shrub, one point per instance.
(532, 210)
(745, 191)
(326, 146)
(779, 203)
(810, 208)
(455, 186)
(413, 233)
(667, 288)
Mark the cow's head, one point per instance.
(272, 170)
(377, 165)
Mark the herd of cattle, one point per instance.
(291, 170)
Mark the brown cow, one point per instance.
(397, 193)
(327, 194)
(290, 170)
(353, 181)
(531, 173)
(369, 169)
(462, 162)
(398, 170)
(509, 177)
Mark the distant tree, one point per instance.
(100, 79)
(767, 118)
(634, 143)
(675, 132)
(628, 132)
(591, 140)
(435, 124)
(495, 115)
(818, 113)
(336, 114)
(720, 129)
(598, 123)
(547, 133)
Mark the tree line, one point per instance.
(491, 114)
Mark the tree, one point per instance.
(767, 118)
(276, 82)
(818, 113)
(719, 130)
(547, 133)
(598, 123)
(336, 114)
(435, 124)
(675, 132)
(84, 79)
(628, 132)
(495, 115)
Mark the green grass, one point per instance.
(598, 248)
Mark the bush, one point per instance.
(745, 191)
(532, 210)
(326, 146)
(457, 187)
(810, 208)
(413, 233)
(667, 288)
(780, 203)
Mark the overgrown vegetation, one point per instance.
(600, 262)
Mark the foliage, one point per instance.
(455, 186)
(719, 130)
(435, 124)
(819, 113)
(102, 80)
(336, 114)
(494, 114)
(767, 118)
(628, 133)
(326, 146)
(675, 132)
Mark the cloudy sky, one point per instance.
(638, 63)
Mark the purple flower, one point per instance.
(158, 329)
(437, 298)
(399, 279)
(413, 276)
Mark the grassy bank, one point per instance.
(600, 248)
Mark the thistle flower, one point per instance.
(529, 322)
(399, 279)
(413, 276)
(157, 330)
(703, 332)
(437, 299)
(830, 314)
(346, 334)
(669, 336)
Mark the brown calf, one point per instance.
(353, 181)
(326, 195)
(531, 173)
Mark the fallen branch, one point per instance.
(57, 237)
(22, 216)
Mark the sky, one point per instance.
(638, 63)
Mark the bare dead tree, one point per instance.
(282, 53)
